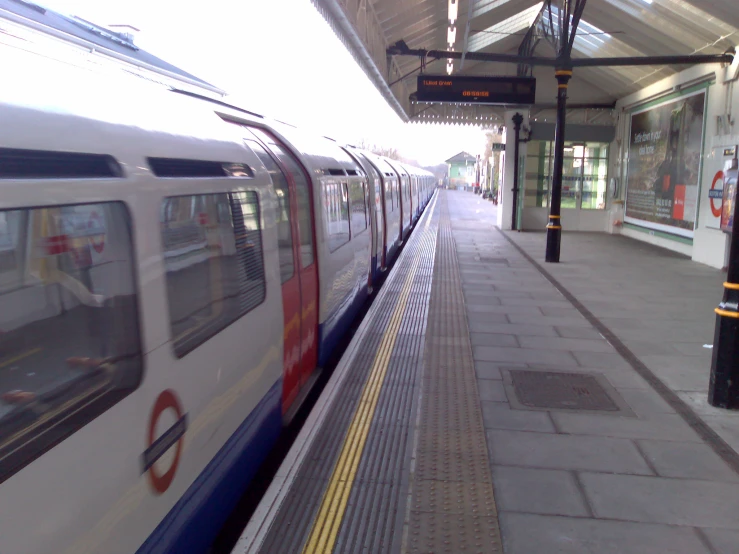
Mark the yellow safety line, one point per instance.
(21, 356)
(726, 313)
(333, 505)
(732, 286)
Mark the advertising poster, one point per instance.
(663, 172)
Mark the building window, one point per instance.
(69, 336)
(584, 175)
(213, 259)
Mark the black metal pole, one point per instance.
(517, 120)
(554, 227)
(723, 389)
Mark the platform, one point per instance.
(492, 403)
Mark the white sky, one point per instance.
(279, 58)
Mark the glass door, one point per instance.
(584, 175)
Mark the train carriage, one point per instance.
(174, 271)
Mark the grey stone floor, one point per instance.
(641, 481)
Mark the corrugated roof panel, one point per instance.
(483, 6)
(696, 28)
(512, 25)
(637, 32)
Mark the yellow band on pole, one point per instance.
(726, 313)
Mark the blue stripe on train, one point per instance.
(193, 523)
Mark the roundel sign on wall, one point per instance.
(716, 194)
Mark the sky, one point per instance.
(280, 59)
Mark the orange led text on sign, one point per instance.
(475, 93)
(437, 83)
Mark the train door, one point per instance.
(286, 230)
(306, 254)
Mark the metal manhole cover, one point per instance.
(561, 391)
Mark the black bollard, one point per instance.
(723, 389)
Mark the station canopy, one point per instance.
(608, 28)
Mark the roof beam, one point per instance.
(400, 48)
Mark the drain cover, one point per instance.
(561, 391)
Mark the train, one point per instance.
(175, 271)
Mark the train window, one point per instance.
(282, 211)
(69, 338)
(212, 247)
(336, 203)
(304, 203)
(358, 190)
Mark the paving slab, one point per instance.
(507, 328)
(663, 500)
(558, 311)
(538, 534)
(499, 415)
(535, 356)
(493, 339)
(480, 323)
(687, 461)
(581, 345)
(578, 332)
(656, 426)
(491, 390)
(543, 450)
(485, 309)
(607, 360)
(645, 401)
(488, 370)
(723, 541)
(538, 491)
(549, 320)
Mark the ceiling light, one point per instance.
(453, 6)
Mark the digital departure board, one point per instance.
(476, 90)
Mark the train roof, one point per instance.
(70, 105)
(77, 30)
(86, 112)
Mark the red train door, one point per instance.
(305, 254)
(290, 278)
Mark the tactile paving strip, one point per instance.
(379, 489)
(452, 501)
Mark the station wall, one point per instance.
(671, 208)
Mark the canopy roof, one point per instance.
(609, 28)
